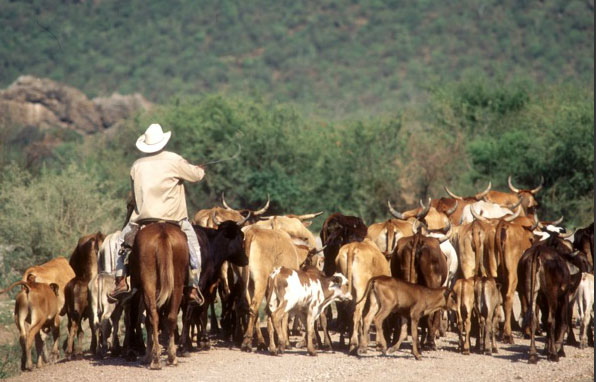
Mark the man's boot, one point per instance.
(196, 297)
(122, 289)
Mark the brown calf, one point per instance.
(36, 307)
(387, 295)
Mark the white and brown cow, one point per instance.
(301, 293)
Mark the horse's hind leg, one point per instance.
(171, 325)
(152, 323)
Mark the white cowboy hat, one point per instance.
(153, 140)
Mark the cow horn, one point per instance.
(511, 185)
(452, 194)
(395, 213)
(420, 215)
(567, 235)
(482, 194)
(214, 219)
(447, 232)
(539, 186)
(452, 209)
(415, 224)
(240, 223)
(223, 201)
(262, 210)
(558, 221)
(476, 215)
(509, 218)
(308, 216)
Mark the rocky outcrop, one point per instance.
(43, 103)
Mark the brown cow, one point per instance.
(204, 218)
(36, 308)
(387, 295)
(428, 215)
(457, 202)
(56, 271)
(544, 270)
(584, 241)
(83, 261)
(511, 241)
(266, 249)
(418, 259)
(527, 196)
(487, 302)
(464, 293)
(359, 262)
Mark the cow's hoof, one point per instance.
(561, 353)
(173, 362)
(508, 340)
(300, 344)
(553, 357)
(495, 350)
(131, 357)
(273, 352)
(418, 357)
(183, 353)
(533, 359)
(155, 366)
(246, 348)
(312, 353)
(261, 347)
(466, 352)
(488, 352)
(29, 367)
(353, 350)
(362, 351)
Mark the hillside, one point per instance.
(330, 57)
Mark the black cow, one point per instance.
(217, 245)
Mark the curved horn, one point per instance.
(214, 218)
(262, 210)
(395, 213)
(452, 209)
(308, 216)
(223, 201)
(452, 194)
(509, 218)
(482, 194)
(567, 235)
(476, 215)
(420, 215)
(511, 185)
(539, 186)
(558, 221)
(240, 223)
(448, 234)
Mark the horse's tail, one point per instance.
(165, 266)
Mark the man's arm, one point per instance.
(189, 172)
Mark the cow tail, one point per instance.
(165, 265)
(479, 246)
(528, 319)
(367, 290)
(269, 294)
(483, 298)
(17, 283)
(349, 259)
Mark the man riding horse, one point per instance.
(159, 196)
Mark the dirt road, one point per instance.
(225, 364)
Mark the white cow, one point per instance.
(485, 209)
(584, 298)
(104, 315)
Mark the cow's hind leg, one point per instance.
(403, 334)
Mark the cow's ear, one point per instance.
(55, 288)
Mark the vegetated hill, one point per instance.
(337, 56)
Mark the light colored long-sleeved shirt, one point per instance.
(158, 189)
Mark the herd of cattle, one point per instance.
(464, 255)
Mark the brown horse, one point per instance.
(159, 269)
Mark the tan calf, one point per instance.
(464, 293)
(387, 295)
(36, 308)
(487, 302)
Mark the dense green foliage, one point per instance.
(468, 132)
(330, 57)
